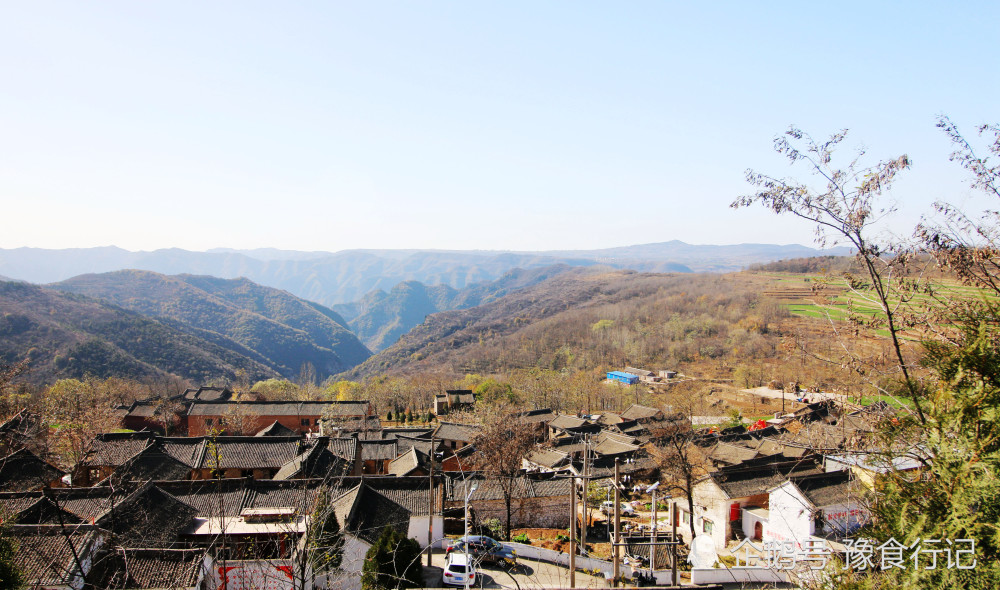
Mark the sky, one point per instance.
(465, 125)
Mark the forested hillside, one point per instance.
(380, 318)
(282, 330)
(67, 335)
(587, 318)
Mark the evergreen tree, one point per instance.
(392, 562)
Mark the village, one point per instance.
(636, 497)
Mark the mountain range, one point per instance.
(348, 276)
(379, 319)
(140, 324)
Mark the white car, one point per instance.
(609, 509)
(457, 569)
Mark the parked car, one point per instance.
(609, 508)
(457, 570)
(484, 550)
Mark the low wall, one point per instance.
(584, 563)
(732, 575)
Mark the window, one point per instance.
(706, 526)
(208, 421)
(305, 421)
(685, 517)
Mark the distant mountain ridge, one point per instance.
(278, 329)
(68, 335)
(346, 276)
(379, 319)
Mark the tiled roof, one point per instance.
(454, 431)
(567, 422)
(543, 415)
(88, 504)
(187, 450)
(611, 446)
(343, 447)
(365, 426)
(44, 554)
(490, 489)
(828, 489)
(378, 450)
(637, 412)
(211, 498)
(149, 568)
(405, 443)
(373, 512)
(412, 493)
(117, 448)
(731, 454)
(405, 463)
(208, 394)
(276, 429)
(153, 463)
(316, 461)
(250, 452)
(14, 503)
(23, 470)
(742, 482)
(548, 458)
(150, 517)
(279, 408)
(298, 494)
(421, 433)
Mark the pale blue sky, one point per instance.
(465, 125)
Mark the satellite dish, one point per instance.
(702, 553)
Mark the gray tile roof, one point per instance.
(638, 412)
(379, 450)
(490, 489)
(455, 431)
(150, 568)
(250, 452)
(549, 458)
(116, 448)
(276, 429)
(23, 470)
(739, 482)
(44, 554)
(405, 463)
(567, 422)
(730, 454)
(279, 408)
(828, 489)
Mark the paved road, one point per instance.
(529, 574)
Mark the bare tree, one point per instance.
(500, 446)
(845, 210)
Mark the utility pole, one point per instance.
(572, 533)
(586, 488)
(652, 546)
(616, 539)
(430, 507)
(673, 545)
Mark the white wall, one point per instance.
(790, 516)
(750, 520)
(418, 530)
(709, 502)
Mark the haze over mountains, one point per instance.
(347, 276)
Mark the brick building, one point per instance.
(201, 418)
